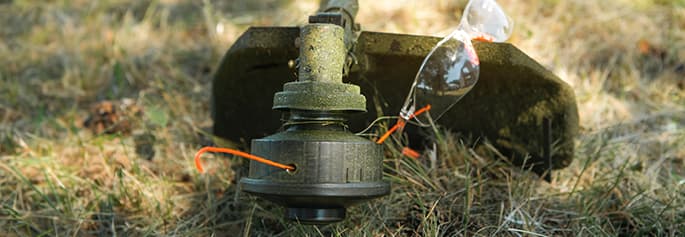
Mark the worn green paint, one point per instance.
(319, 85)
(322, 53)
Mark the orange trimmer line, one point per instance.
(198, 162)
(400, 123)
(410, 153)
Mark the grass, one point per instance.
(625, 60)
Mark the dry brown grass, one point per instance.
(56, 178)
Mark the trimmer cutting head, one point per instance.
(324, 75)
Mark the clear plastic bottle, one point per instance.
(451, 68)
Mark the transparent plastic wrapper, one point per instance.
(451, 68)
